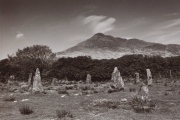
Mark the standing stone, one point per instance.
(88, 79)
(37, 85)
(30, 79)
(170, 74)
(149, 77)
(137, 77)
(120, 81)
(54, 82)
(144, 91)
(117, 79)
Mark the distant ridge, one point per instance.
(102, 46)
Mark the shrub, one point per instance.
(64, 114)
(110, 91)
(69, 87)
(9, 98)
(106, 103)
(85, 87)
(141, 105)
(25, 110)
(62, 91)
(132, 89)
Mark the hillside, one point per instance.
(102, 46)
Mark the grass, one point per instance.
(9, 98)
(45, 105)
(63, 114)
(25, 110)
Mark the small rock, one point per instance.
(24, 100)
(63, 95)
(124, 100)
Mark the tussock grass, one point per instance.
(9, 98)
(25, 110)
(64, 114)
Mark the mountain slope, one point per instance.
(102, 46)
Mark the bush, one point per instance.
(106, 103)
(9, 98)
(85, 87)
(69, 87)
(141, 105)
(132, 89)
(25, 110)
(64, 114)
(62, 91)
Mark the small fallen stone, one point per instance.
(63, 95)
(124, 100)
(24, 100)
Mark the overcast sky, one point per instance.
(61, 24)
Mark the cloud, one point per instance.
(166, 32)
(99, 23)
(19, 36)
(171, 14)
(172, 23)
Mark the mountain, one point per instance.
(102, 46)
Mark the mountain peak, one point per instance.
(99, 34)
(101, 46)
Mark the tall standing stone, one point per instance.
(137, 77)
(37, 85)
(30, 79)
(88, 79)
(117, 79)
(149, 77)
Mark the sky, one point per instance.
(61, 24)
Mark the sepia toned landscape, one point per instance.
(89, 60)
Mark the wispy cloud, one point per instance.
(166, 32)
(171, 14)
(172, 23)
(101, 24)
(19, 36)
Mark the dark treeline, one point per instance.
(27, 60)
(77, 68)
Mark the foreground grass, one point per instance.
(45, 106)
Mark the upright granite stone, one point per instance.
(88, 79)
(137, 77)
(37, 85)
(149, 77)
(30, 79)
(120, 81)
(144, 91)
(170, 74)
(114, 75)
(54, 82)
(117, 79)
